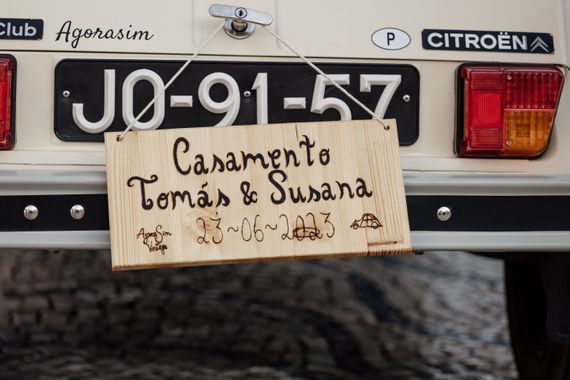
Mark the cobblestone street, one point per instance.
(435, 316)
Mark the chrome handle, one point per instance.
(240, 21)
(240, 14)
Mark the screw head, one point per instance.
(241, 13)
(247, 94)
(509, 77)
(444, 214)
(31, 212)
(77, 212)
(66, 94)
(509, 142)
(406, 98)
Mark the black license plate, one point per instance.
(97, 96)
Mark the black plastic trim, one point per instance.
(54, 213)
(469, 213)
(492, 213)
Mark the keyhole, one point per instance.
(241, 13)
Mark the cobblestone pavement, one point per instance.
(435, 316)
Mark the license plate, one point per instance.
(97, 96)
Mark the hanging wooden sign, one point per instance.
(201, 196)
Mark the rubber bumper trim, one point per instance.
(469, 213)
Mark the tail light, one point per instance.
(508, 111)
(7, 79)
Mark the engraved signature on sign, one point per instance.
(154, 240)
(307, 232)
(367, 220)
(304, 228)
(301, 227)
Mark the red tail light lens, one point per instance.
(6, 102)
(508, 111)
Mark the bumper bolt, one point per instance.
(444, 214)
(31, 212)
(77, 212)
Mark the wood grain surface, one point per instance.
(201, 196)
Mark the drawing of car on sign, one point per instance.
(307, 232)
(366, 221)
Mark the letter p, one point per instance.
(390, 36)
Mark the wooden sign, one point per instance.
(200, 196)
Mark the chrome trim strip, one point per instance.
(87, 180)
(543, 241)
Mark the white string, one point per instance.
(334, 83)
(201, 47)
(174, 77)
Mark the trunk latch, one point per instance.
(240, 21)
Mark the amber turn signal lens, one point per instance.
(527, 132)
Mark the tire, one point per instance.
(536, 356)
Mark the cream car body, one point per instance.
(326, 31)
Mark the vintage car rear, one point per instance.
(477, 89)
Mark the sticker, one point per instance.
(21, 29)
(73, 36)
(476, 40)
(391, 38)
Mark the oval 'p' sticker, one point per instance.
(391, 38)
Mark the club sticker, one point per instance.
(476, 40)
(391, 39)
(21, 29)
